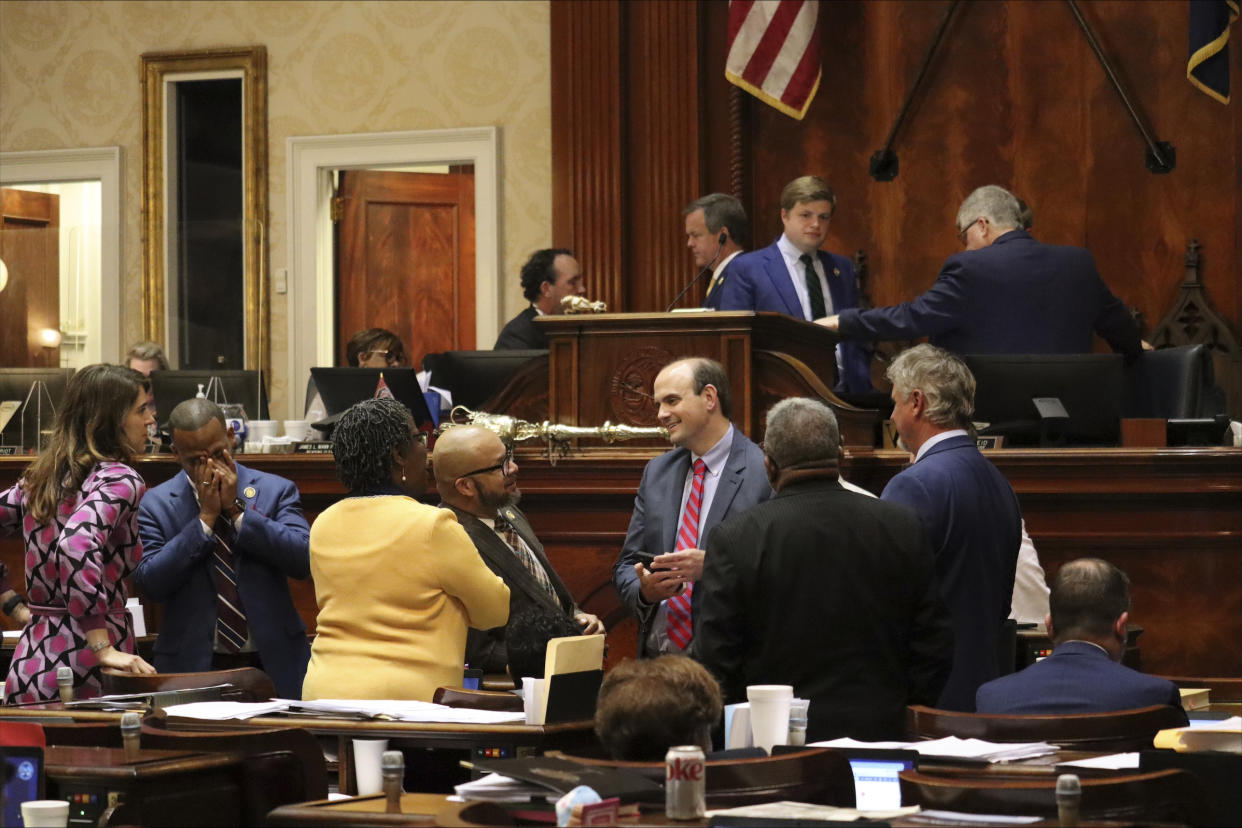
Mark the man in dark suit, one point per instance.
(547, 277)
(1090, 605)
(967, 507)
(794, 277)
(823, 589)
(715, 227)
(1005, 294)
(219, 543)
(477, 479)
(713, 471)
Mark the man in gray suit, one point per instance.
(713, 471)
(477, 479)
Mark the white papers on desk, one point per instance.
(1113, 761)
(497, 788)
(387, 709)
(959, 818)
(1224, 735)
(797, 811)
(951, 747)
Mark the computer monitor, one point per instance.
(1011, 390)
(342, 387)
(473, 377)
(172, 387)
(24, 777)
(876, 783)
(15, 385)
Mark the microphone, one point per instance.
(64, 683)
(1069, 794)
(720, 241)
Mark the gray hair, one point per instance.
(996, 204)
(720, 210)
(801, 431)
(148, 350)
(945, 381)
(193, 414)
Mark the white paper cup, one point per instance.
(258, 429)
(532, 699)
(769, 713)
(297, 429)
(46, 813)
(368, 773)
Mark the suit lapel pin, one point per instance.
(249, 492)
(836, 271)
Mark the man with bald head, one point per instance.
(219, 543)
(713, 471)
(477, 480)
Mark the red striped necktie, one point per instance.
(680, 626)
(232, 631)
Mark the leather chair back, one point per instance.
(1121, 730)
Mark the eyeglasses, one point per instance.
(420, 437)
(505, 466)
(961, 234)
(391, 357)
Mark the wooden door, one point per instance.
(30, 301)
(405, 259)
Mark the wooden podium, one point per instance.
(601, 367)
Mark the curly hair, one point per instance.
(364, 439)
(540, 268)
(88, 429)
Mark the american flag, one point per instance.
(774, 51)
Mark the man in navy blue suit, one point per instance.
(219, 542)
(967, 507)
(794, 277)
(1005, 294)
(654, 569)
(1090, 605)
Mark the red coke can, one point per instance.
(685, 783)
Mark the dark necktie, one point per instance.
(232, 631)
(528, 559)
(680, 622)
(813, 289)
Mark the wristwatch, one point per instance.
(238, 507)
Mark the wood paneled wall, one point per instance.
(1015, 96)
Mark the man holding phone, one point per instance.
(713, 471)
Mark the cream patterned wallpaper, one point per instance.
(69, 78)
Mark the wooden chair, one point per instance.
(1227, 689)
(477, 699)
(1117, 731)
(817, 775)
(249, 684)
(22, 734)
(282, 765)
(1163, 795)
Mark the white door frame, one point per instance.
(102, 164)
(311, 296)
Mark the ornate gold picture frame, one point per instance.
(158, 69)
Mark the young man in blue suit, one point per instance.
(656, 571)
(1005, 294)
(794, 277)
(967, 507)
(216, 536)
(1090, 605)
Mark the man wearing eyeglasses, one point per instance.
(1007, 293)
(477, 480)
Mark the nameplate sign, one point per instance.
(994, 441)
(8, 451)
(313, 447)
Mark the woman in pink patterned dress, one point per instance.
(77, 508)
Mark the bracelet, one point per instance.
(100, 647)
(12, 603)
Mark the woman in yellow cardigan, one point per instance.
(397, 581)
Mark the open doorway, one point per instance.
(403, 249)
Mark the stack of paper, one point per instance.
(951, 747)
(793, 812)
(387, 710)
(1224, 735)
(497, 788)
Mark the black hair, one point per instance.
(363, 442)
(527, 634)
(539, 268)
